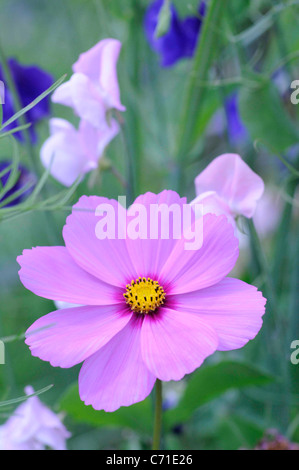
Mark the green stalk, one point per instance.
(264, 269)
(279, 267)
(158, 416)
(279, 325)
(132, 119)
(54, 235)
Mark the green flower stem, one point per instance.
(263, 266)
(130, 183)
(279, 258)
(132, 119)
(158, 416)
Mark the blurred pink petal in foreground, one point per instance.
(228, 186)
(70, 153)
(93, 88)
(150, 308)
(33, 426)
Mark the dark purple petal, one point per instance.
(30, 82)
(191, 27)
(171, 46)
(24, 179)
(236, 130)
(180, 40)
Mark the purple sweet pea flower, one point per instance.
(30, 81)
(180, 40)
(24, 180)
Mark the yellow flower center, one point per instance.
(144, 295)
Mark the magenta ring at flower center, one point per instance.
(144, 295)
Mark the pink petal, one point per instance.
(116, 375)
(99, 65)
(60, 125)
(52, 273)
(87, 101)
(147, 253)
(234, 181)
(94, 141)
(107, 258)
(232, 308)
(67, 337)
(175, 343)
(190, 270)
(63, 94)
(70, 153)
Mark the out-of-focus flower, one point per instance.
(19, 188)
(93, 88)
(237, 131)
(33, 426)
(228, 186)
(172, 393)
(180, 40)
(151, 308)
(70, 153)
(30, 81)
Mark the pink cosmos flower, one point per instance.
(228, 186)
(93, 88)
(33, 426)
(150, 308)
(70, 153)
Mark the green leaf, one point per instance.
(237, 432)
(138, 417)
(265, 117)
(188, 8)
(210, 382)
(15, 129)
(14, 401)
(208, 45)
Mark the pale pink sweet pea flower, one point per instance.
(33, 426)
(268, 212)
(228, 186)
(93, 88)
(150, 308)
(266, 220)
(70, 153)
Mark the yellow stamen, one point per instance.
(144, 295)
